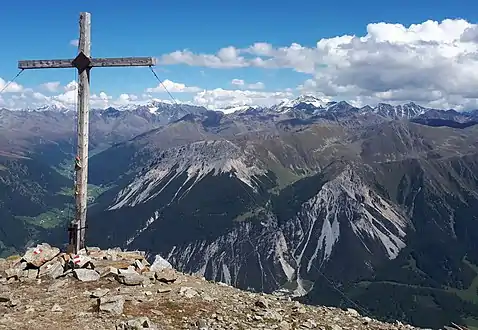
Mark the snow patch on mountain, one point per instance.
(237, 108)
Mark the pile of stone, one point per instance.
(126, 267)
(130, 268)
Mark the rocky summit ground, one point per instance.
(113, 289)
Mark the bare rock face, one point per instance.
(107, 289)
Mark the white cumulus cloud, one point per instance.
(220, 98)
(433, 63)
(12, 87)
(237, 82)
(225, 58)
(173, 87)
(52, 86)
(68, 97)
(242, 84)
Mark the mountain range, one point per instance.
(322, 201)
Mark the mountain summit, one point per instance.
(114, 289)
(377, 204)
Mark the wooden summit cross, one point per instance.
(83, 62)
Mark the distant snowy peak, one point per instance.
(302, 106)
(53, 107)
(311, 105)
(303, 100)
(152, 106)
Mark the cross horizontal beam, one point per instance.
(95, 62)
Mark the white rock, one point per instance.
(86, 275)
(40, 254)
(80, 260)
(159, 264)
(352, 312)
(187, 292)
(56, 308)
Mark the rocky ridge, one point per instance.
(114, 289)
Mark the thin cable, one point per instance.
(161, 82)
(11, 81)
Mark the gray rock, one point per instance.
(159, 264)
(166, 276)
(86, 275)
(201, 324)
(98, 293)
(333, 327)
(272, 316)
(352, 312)
(112, 305)
(41, 254)
(56, 308)
(187, 292)
(284, 325)
(299, 309)
(29, 274)
(68, 273)
(108, 271)
(52, 269)
(13, 303)
(206, 297)
(132, 278)
(262, 303)
(150, 275)
(139, 265)
(4, 297)
(309, 324)
(14, 273)
(80, 261)
(136, 324)
(129, 270)
(367, 320)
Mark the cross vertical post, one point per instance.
(81, 192)
(83, 63)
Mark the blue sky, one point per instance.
(33, 30)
